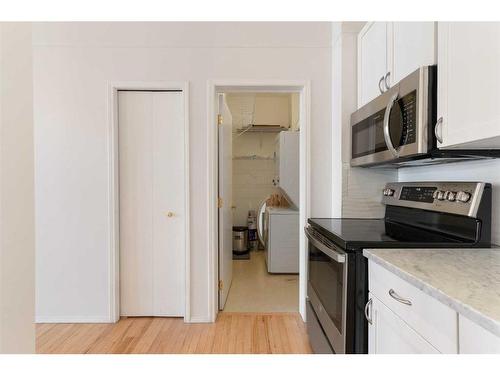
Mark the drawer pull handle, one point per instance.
(367, 306)
(394, 295)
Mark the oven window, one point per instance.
(326, 276)
(368, 136)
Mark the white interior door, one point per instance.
(225, 195)
(152, 197)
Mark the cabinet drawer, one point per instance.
(434, 321)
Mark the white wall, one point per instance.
(17, 243)
(252, 183)
(73, 63)
(484, 171)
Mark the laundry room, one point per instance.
(264, 177)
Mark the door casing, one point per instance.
(269, 86)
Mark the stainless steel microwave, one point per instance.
(399, 124)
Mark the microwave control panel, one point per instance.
(408, 112)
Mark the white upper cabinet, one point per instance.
(288, 164)
(413, 46)
(469, 84)
(372, 61)
(389, 51)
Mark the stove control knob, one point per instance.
(451, 196)
(463, 196)
(435, 194)
(388, 192)
(440, 195)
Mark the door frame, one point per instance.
(269, 86)
(113, 189)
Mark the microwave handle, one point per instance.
(438, 130)
(381, 88)
(387, 135)
(331, 253)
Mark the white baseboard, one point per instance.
(73, 319)
(199, 319)
(100, 319)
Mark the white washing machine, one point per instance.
(281, 238)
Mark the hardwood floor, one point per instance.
(232, 333)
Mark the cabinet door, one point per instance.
(469, 84)
(413, 45)
(389, 334)
(474, 339)
(372, 60)
(289, 165)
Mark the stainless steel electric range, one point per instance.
(417, 215)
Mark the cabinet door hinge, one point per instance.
(219, 202)
(219, 119)
(221, 284)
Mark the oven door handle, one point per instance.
(331, 253)
(387, 134)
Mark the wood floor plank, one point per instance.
(112, 339)
(145, 342)
(131, 336)
(256, 333)
(260, 343)
(207, 337)
(221, 333)
(50, 342)
(82, 338)
(159, 343)
(41, 329)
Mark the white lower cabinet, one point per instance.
(434, 321)
(389, 334)
(474, 339)
(404, 319)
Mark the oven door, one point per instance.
(327, 287)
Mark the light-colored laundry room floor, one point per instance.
(255, 290)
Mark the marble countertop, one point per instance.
(467, 280)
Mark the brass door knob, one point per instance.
(170, 214)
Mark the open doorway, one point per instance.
(259, 200)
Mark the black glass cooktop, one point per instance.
(356, 234)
